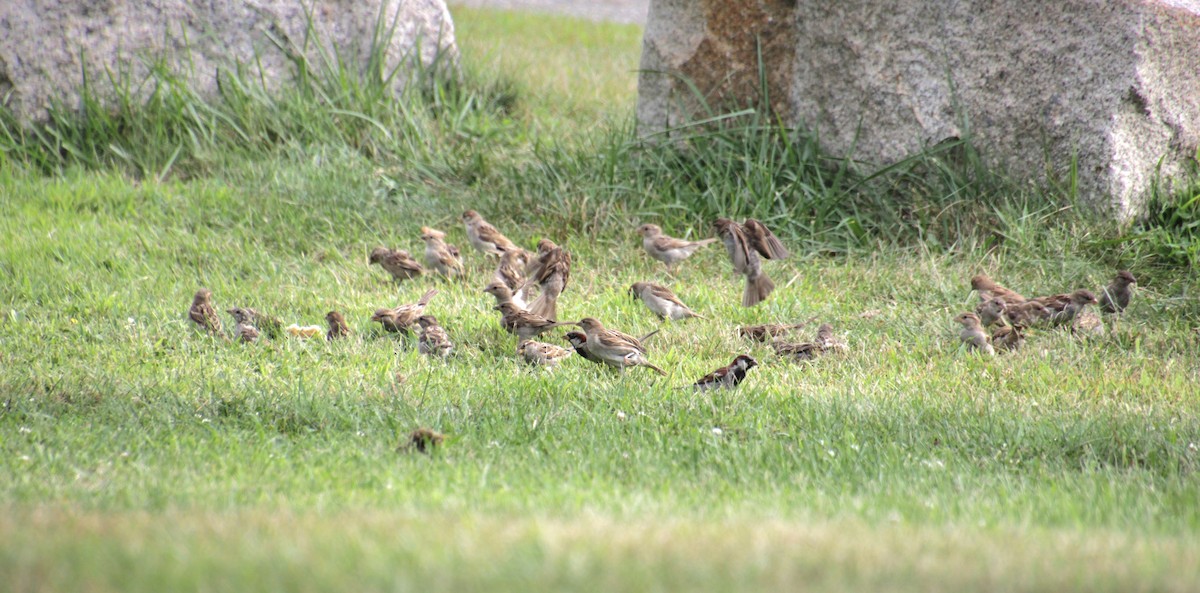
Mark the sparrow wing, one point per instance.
(613, 339)
(665, 293)
(764, 241)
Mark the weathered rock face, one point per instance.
(1112, 86)
(47, 45)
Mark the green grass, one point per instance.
(136, 454)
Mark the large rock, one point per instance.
(1109, 87)
(46, 46)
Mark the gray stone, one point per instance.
(46, 46)
(1111, 88)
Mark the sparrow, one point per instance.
(988, 289)
(203, 314)
(578, 341)
(726, 377)
(434, 340)
(768, 331)
(551, 277)
(269, 325)
(397, 262)
(613, 347)
(1083, 320)
(1026, 314)
(510, 272)
(1067, 306)
(668, 250)
(744, 251)
(337, 326)
(483, 236)
(991, 311)
(526, 325)
(972, 334)
(440, 256)
(1115, 297)
(825, 342)
(828, 341)
(541, 353)
(401, 318)
(661, 301)
(1008, 338)
(244, 331)
(423, 440)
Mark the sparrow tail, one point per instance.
(757, 289)
(426, 297)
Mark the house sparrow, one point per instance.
(744, 253)
(726, 377)
(397, 262)
(541, 353)
(423, 440)
(1074, 303)
(510, 272)
(269, 325)
(1026, 314)
(439, 255)
(1083, 319)
(551, 277)
(828, 340)
(203, 314)
(668, 250)
(988, 289)
(434, 340)
(768, 331)
(825, 343)
(991, 311)
(483, 236)
(661, 301)
(578, 341)
(764, 241)
(526, 325)
(1115, 297)
(401, 318)
(972, 334)
(613, 347)
(337, 326)
(244, 331)
(1008, 338)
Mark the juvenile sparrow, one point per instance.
(830, 341)
(991, 311)
(511, 272)
(765, 242)
(434, 340)
(551, 277)
(1008, 337)
(423, 440)
(1075, 302)
(578, 341)
(337, 326)
(744, 253)
(1083, 319)
(616, 349)
(988, 289)
(397, 262)
(203, 314)
(525, 325)
(727, 377)
(483, 236)
(541, 353)
(401, 318)
(768, 331)
(440, 256)
(244, 331)
(1115, 297)
(661, 301)
(972, 334)
(271, 326)
(825, 343)
(1026, 314)
(668, 250)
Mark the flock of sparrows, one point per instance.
(1013, 313)
(527, 285)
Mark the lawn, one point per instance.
(137, 454)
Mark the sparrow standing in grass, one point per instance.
(439, 255)
(661, 301)
(727, 377)
(1008, 337)
(269, 325)
(423, 440)
(668, 250)
(397, 262)
(203, 314)
(1083, 319)
(1026, 314)
(244, 331)
(578, 341)
(613, 347)
(1067, 306)
(768, 331)
(337, 326)
(988, 289)
(745, 244)
(525, 325)
(541, 353)
(824, 343)
(1115, 297)
(484, 237)
(401, 318)
(434, 340)
(552, 275)
(972, 334)
(991, 311)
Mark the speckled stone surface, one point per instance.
(1113, 87)
(47, 45)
